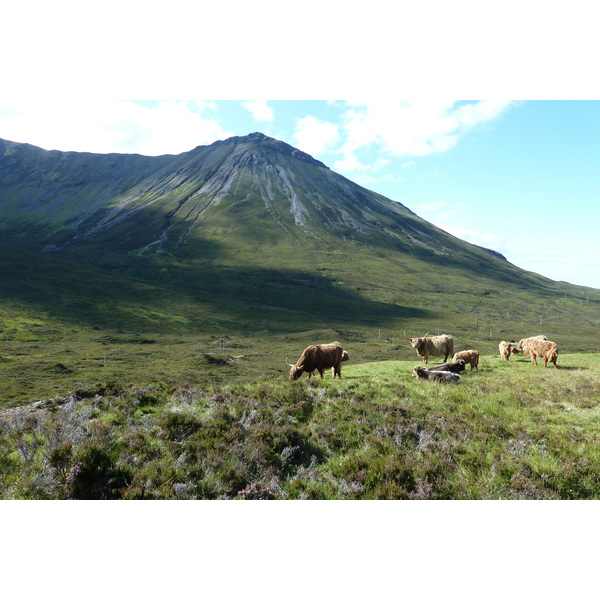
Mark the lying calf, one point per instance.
(457, 366)
(442, 376)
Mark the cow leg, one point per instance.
(321, 371)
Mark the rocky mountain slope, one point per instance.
(54, 200)
(249, 230)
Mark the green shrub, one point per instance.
(95, 476)
(179, 426)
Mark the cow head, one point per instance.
(345, 356)
(415, 342)
(295, 371)
(418, 372)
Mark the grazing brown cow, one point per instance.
(505, 349)
(471, 357)
(441, 376)
(440, 345)
(544, 349)
(319, 358)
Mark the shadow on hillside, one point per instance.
(157, 296)
(286, 298)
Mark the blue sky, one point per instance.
(520, 177)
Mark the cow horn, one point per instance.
(288, 363)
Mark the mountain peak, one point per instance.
(271, 148)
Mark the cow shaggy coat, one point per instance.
(319, 358)
(544, 349)
(439, 345)
(471, 357)
(505, 350)
(441, 376)
(523, 345)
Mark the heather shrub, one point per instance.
(95, 475)
(60, 460)
(179, 426)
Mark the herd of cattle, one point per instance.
(331, 356)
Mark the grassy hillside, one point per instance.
(510, 431)
(158, 319)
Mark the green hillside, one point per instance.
(64, 326)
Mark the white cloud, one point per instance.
(421, 128)
(168, 127)
(486, 240)
(315, 136)
(351, 164)
(260, 110)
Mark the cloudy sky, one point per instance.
(520, 177)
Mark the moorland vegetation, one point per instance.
(508, 431)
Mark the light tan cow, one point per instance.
(471, 357)
(522, 345)
(439, 345)
(505, 349)
(544, 349)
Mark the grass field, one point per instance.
(507, 431)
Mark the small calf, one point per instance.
(441, 376)
(505, 350)
(471, 357)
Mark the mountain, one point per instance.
(252, 186)
(257, 233)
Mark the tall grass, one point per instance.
(509, 431)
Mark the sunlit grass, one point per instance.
(508, 431)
